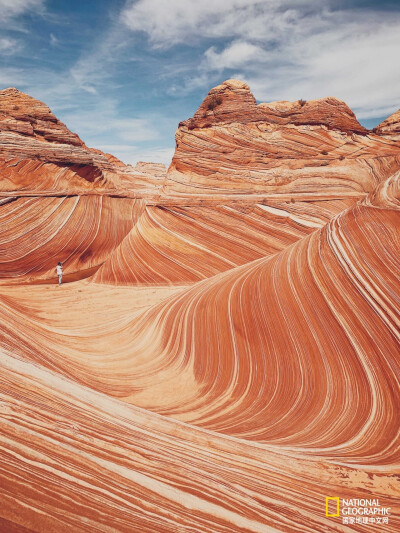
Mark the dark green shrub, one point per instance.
(213, 102)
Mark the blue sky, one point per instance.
(123, 74)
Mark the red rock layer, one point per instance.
(81, 232)
(24, 115)
(390, 127)
(225, 103)
(29, 131)
(39, 155)
(232, 146)
(292, 361)
(72, 459)
(274, 370)
(186, 244)
(28, 176)
(249, 365)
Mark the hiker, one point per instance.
(59, 272)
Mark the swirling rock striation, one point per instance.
(232, 146)
(40, 156)
(175, 245)
(60, 200)
(79, 231)
(74, 459)
(390, 127)
(234, 355)
(298, 383)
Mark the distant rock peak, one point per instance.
(390, 126)
(24, 115)
(232, 101)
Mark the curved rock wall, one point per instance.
(187, 244)
(234, 356)
(233, 147)
(79, 231)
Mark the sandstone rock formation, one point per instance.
(232, 146)
(233, 102)
(62, 201)
(22, 114)
(233, 356)
(390, 127)
(40, 156)
(296, 399)
(79, 231)
(173, 244)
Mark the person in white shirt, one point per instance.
(59, 272)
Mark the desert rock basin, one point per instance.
(224, 351)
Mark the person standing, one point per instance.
(59, 272)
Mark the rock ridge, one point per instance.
(232, 101)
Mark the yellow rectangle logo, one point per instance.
(336, 499)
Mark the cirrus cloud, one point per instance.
(14, 8)
(283, 49)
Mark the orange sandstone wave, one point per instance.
(233, 147)
(79, 231)
(187, 244)
(234, 356)
(246, 350)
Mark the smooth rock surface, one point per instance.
(225, 351)
(390, 127)
(39, 155)
(232, 146)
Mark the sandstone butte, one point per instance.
(225, 351)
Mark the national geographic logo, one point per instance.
(357, 510)
(332, 503)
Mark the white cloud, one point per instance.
(11, 77)
(354, 60)
(96, 66)
(124, 129)
(8, 46)
(168, 22)
(284, 49)
(53, 39)
(236, 55)
(103, 119)
(14, 8)
(10, 10)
